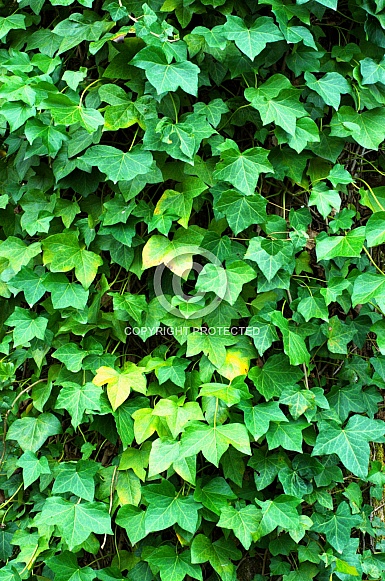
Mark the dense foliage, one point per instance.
(193, 290)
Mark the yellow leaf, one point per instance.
(120, 383)
(236, 363)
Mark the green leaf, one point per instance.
(330, 87)
(63, 252)
(13, 22)
(241, 211)
(229, 281)
(116, 164)
(258, 418)
(270, 263)
(76, 399)
(213, 441)
(375, 230)
(164, 75)
(75, 522)
(280, 512)
(263, 333)
(214, 346)
(66, 568)
(324, 199)
(76, 477)
(350, 444)
(30, 283)
(31, 433)
(275, 374)
(33, 467)
(366, 128)
(332, 246)
(71, 355)
(64, 293)
(242, 169)
(277, 104)
(251, 41)
(293, 344)
(18, 253)
(339, 335)
(286, 435)
(220, 554)
(337, 526)
(27, 325)
(166, 507)
(368, 286)
(372, 72)
(132, 520)
(243, 522)
(214, 495)
(173, 566)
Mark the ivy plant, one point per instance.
(192, 290)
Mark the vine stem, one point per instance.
(372, 261)
(5, 422)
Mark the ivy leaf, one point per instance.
(164, 75)
(116, 164)
(269, 263)
(163, 454)
(214, 346)
(339, 335)
(372, 72)
(280, 512)
(287, 435)
(220, 554)
(293, 344)
(213, 441)
(368, 286)
(214, 495)
(71, 355)
(165, 508)
(66, 112)
(241, 211)
(263, 333)
(375, 234)
(27, 325)
(65, 294)
(30, 283)
(229, 281)
(132, 519)
(281, 107)
(251, 41)
(31, 433)
(173, 566)
(350, 444)
(33, 467)
(242, 169)
(337, 526)
(348, 246)
(298, 400)
(66, 568)
(76, 399)
(324, 199)
(243, 522)
(258, 418)
(63, 252)
(330, 87)
(76, 477)
(12, 22)
(75, 522)
(119, 384)
(275, 374)
(313, 307)
(366, 128)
